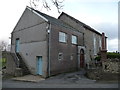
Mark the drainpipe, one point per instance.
(11, 42)
(49, 45)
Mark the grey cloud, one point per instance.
(110, 29)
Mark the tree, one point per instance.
(58, 4)
(3, 45)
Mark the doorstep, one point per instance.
(29, 78)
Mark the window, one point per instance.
(74, 39)
(71, 57)
(60, 56)
(100, 41)
(94, 44)
(62, 37)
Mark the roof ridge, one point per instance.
(39, 12)
(45, 14)
(53, 19)
(83, 24)
(58, 19)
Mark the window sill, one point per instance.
(63, 42)
(74, 44)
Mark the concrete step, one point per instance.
(29, 78)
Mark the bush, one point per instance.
(113, 55)
(2, 62)
(97, 58)
(110, 55)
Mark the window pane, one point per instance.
(100, 41)
(71, 57)
(60, 56)
(74, 39)
(94, 44)
(62, 37)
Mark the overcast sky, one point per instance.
(101, 15)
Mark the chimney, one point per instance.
(104, 50)
(103, 42)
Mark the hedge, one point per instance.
(2, 62)
(113, 55)
(109, 55)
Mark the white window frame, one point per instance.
(72, 56)
(62, 37)
(74, 39)
(94, 44)
(100, 42)
(60, 56)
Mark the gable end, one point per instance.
(37, 14)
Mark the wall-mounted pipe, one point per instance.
(49, 46)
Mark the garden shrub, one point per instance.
(113, 55)
(110, 55)
(97, 58)
(2, 62)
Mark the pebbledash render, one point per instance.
(50, 46)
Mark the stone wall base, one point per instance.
(18, 72)
(109, 66)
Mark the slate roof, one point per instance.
(50, 18)
(60, 22)
(81, 23)
(56, 21)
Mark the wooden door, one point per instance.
(82, 58)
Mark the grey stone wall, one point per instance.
(111, 65)
(32, 33)
(89, 44)
(27, 20)
(10, 64)
(72, 23)
(56, 47)
(88, 37)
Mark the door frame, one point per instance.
(82, 59)
(79, 48)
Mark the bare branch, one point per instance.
(3, 45)
(34, 3)
(45, 4)
(57, 4)
(60, 1)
